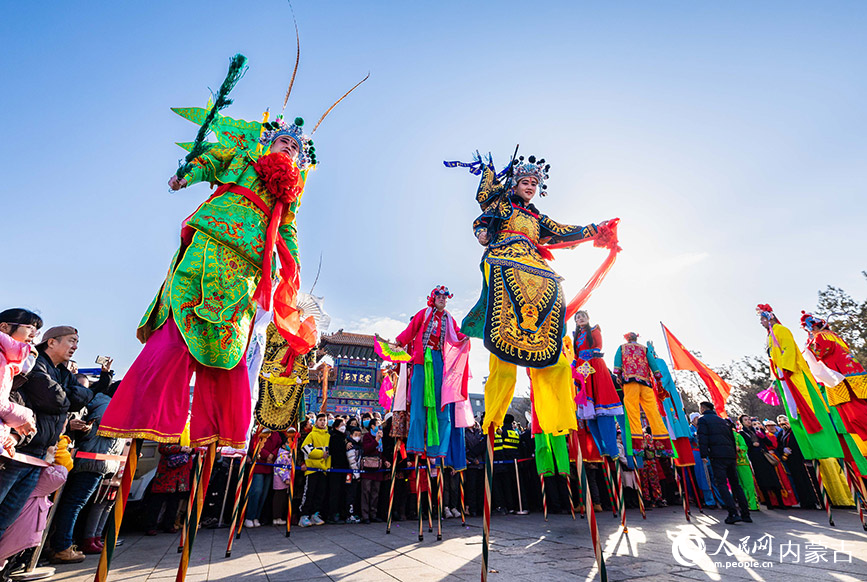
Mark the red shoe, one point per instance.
(89, 546)
(100, 542)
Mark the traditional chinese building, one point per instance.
(353, 382)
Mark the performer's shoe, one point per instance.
(279, 521)
(333, 519)
(733, 518)
(249, 523)
(745, 517)
(352, 519)
(316, 519)
(68, 556)
(256, 523)
(304, 521)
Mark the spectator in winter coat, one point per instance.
(354, 453)
(317, 461)
(337, 479)
(18, 329)
(716, 441)
(280, 483)
(85, 477)
(372, 476)
(51, 392)
(26, 531)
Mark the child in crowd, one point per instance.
(317, 461)
(282, 475)
(354, 452)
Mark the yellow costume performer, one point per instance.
(521, 312)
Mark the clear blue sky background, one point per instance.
(729, 137)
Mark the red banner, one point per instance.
(684, 360)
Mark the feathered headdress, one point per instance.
(253, 136)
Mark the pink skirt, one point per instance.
(153, 399)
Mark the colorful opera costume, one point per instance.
(808, 414)
(202, 316)
(638, 373)
(846, 384)
(597, 401)
(521, 313)
(439, 405)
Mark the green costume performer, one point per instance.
(200, 321)
(745, 473)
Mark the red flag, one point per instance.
(682, 359)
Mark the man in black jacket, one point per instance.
(51, 391)
(717, 442)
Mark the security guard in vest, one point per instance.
(505, 480)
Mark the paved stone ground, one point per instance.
(524, 548)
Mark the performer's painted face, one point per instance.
(581, 318)
(286, 145)
(766, 323)
(440, 302)
(526, 188)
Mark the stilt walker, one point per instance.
(201, 319)
(439, 402)
(528, 328)
(808, 414)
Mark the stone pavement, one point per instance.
(524, 548)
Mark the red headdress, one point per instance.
(630, 336)
(810, 322)
(765, 310)
(440, 290)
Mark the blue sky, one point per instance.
(729, 138)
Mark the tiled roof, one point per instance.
(349, 345)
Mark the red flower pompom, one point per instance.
(281, 176)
